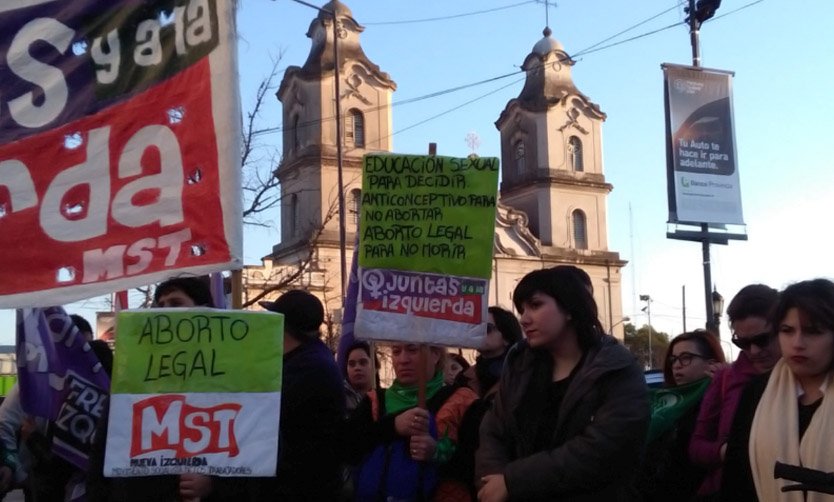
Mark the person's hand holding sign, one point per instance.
(422, 447)
(412, 422)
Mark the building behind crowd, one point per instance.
(552, 198)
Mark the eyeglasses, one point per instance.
(685, 358)
(490, 327)
(744, 343)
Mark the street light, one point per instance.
(717, 310)
(648, 310)
(624, 319)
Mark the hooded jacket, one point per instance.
(600, 429)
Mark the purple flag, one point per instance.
(61, 379)
(349, 313)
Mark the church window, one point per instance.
(575, 154)
(580, 230)
(520, 158)
(355, 206)
(355, 129)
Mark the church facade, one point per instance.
(552, 197)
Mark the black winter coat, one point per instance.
(600, 429)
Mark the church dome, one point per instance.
(547, 44)
(338, 7)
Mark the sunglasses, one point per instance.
(744, 343)
(685, 358)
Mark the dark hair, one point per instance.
(580, 274)
(708, 346)
(82, 324)
(196, 288)
(754, 300)
(460, 360)
(507, 323)
(571, 295)
(104, 355)
(814, 299)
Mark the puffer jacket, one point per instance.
(600, 430)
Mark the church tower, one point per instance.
(551, 157)
(308, 171)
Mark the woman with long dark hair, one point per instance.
(788, 415)
(571, 414)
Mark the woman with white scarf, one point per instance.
(788, 415)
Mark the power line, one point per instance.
(450, 110)
(641, 23)
(453, 16)
(589, 50)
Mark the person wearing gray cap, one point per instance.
(312, 407)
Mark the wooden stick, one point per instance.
(421, 376)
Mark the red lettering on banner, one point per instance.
(462, 308)
(131, 190)
(167, 422)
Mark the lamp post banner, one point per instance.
(427, 231)
(702, 168)
(119, 133)
(195, 390)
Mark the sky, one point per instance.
(781, 53)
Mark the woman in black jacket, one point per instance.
(571, 414)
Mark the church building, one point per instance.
(552, 197)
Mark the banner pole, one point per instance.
(421, 376)
(237, 289)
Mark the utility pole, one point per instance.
(697, 15)
(648, 310)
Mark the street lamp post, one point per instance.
(648, 310)
(611, 329)
(717, 310)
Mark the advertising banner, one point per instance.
(195, 390)
(702, 172)
(427, 228)
(119, 158)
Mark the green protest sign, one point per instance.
(197, 350)
(428, 214)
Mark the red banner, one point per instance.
(133, 191)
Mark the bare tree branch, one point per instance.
(290, 275)
(257, 159)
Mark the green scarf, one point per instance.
(670, 404)
(399, 397)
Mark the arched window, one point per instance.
(355, 129)
(580, 229)
(292, 219)
(296, 135)
(520, 158)
(575, 154)
(355, 206)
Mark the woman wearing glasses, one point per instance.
(690, 362)
(788, 415)
(749, 313)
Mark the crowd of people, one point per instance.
(552, 408)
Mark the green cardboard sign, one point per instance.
(162, 351)
(428, 214)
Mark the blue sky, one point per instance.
(780, 52)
